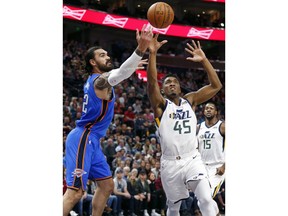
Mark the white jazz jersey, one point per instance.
(211, 144)
(177, 129)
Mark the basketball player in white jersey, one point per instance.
(181, 164)
(211, 138)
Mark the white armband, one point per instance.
(125, 70)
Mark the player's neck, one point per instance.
(175, 100)
(210, 122)
(97, 71)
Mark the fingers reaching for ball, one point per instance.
(144, 38)
(196, 52)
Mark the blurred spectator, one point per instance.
(149, 116)
(131, 187)
(129, 117)
(126, 171)
(120, 190)
(118, 110)
(143, 188)
(137, 106)
(153, 144)
(155, 196)
(156, 169)
(109, 151)
(161, 193)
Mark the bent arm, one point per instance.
(129, 66)
(126, 69)
(222, 129)
(208, 91)
(116, 76)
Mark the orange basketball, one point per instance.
(160, 15)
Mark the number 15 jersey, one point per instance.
(177, 129)
(211, 143)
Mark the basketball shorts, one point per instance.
(215, 180)
(176, 173)
(84, 159)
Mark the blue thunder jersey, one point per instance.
(97, 113)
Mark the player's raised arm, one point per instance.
(156, 99)
(115, 76)
(208, 91)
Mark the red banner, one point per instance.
(142, 74)
(129, 23)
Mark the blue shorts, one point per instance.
(84, 159)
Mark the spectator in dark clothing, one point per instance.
(109, 151)
(144, 191)
(161, 193)
(135, 198)
(155, 196)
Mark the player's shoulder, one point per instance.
(199, 125)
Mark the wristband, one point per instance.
(139, 53)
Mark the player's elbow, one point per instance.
(217, 87)
(220, 86)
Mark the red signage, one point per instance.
(142, 74)
(129, 23)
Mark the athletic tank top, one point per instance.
(211, 143)
(177, 128)
(97, 113)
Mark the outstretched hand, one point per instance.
(144, 38)
(197, 53)
(155, 44)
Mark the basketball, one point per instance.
(160, 15)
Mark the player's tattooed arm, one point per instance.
(101, 82)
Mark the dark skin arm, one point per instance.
(156, 99)
(221, 170)
(210, 90)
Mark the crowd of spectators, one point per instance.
(130, 145)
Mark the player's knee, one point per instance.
(205, 199)
(106, 186)
(74, 195)
(110, 187)
(174, 207)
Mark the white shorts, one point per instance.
(175, 173)
(215, 180)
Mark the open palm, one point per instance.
(196, 52)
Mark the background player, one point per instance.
(211, 138)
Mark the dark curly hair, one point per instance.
(90, 55)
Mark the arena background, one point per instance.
(34, 162)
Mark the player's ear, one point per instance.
(92, 62)
(162, 91)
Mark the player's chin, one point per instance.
(173, 94)
(110, 66)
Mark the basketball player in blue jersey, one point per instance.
(181, 164)
(211, 139)
(84, 157)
